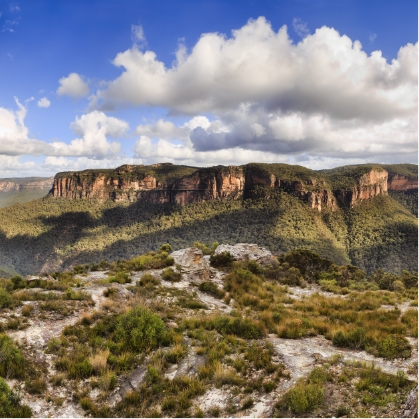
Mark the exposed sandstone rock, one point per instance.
(7, 185)
(130, 183)
(242, 250)
(398, 182)
(367, 186)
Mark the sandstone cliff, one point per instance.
(398, 182)
(131, 183)
(167, 183)
(368, 185)
(18, 184)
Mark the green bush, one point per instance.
(12, 363)
(354, 339)
(10, 406)
(394, 346)
(121, 277)
(165, 248)
(140, 330)
(148, 279)
(170, 275)
(5, 298)
(223, 259)
(212, 289)
(18, 282)
(304, 397)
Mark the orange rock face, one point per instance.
(367, 186)
(401, 183)
(215, 183)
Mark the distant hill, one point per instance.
(21, 190)
(345, 214)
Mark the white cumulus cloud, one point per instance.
(44, 103)
(73, 85)
(94, 129)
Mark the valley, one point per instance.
(347, 214)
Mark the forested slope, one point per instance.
(48, 233)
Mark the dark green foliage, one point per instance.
(10, 406)
(212, 289)
(408, 199)
(12, 363)
(223, 259)
(382, 234)
(307, 262)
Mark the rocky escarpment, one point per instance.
(398, 182)
(167, 183)
(368, 185)
(152, 184)
(8, 185)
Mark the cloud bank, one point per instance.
(323, 96)
(255, 95)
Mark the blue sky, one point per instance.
(206, 83)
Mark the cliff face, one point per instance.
(367, 186)
(7, 185)
(314, 193)
(397, 182)
(132, 183)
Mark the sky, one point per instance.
(101, 83)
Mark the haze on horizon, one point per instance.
(204, 83)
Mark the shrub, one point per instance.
(354, 339)
(5, 298)
(10, 406)
(27, 310)
(99, 361)
(12, 363)
(223, 259)
(18, 282)
(394, 346)
(212, 289)
(165, 248)
(170, 275)
(140, 329)
(304, 397)
(148, 279)
(35, 385)
(121, 278)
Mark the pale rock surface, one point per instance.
(240, 250)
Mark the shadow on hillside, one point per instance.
(139, 227)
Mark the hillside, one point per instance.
(219, 331)
(278, 206)
(21, 190)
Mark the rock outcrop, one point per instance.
(397, 182)
(7, 185)
(132, 183)
(241, 251)
(167, 183)
(369, 185)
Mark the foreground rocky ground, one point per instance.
(241, 385)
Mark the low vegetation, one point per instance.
(148, 328)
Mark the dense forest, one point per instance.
(48, 234)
